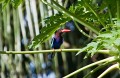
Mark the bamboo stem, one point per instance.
(17, 36)
(35, 15)
(22, 23)
(30, 25)
(9, 29)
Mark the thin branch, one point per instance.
(88, 66)
(113, 67)
(109, 52)
(40, 51)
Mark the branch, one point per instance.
(40, 51)
(109, 52)
(90, 65)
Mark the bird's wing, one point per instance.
(52, 42)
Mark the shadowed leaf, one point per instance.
(52, 24)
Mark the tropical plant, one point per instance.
(102, 17)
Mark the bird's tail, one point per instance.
(51, 56)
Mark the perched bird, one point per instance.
(57, 41)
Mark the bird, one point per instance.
(57, 41)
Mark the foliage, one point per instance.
(100, 14)
(52, 24)
(15, 3)
(109, 40)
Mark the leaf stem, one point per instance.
(111, 68)
(118, 9)
(99, 67)
(118, 13)
(110, 14)
(81, 30)
(90, 65)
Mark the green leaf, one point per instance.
(1, 1)
(16, 3)
(4, 4)
(117, 43)
(90, 48)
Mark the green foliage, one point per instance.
(4, 3)
(109, 40)
(92, 14)
(52, 24)
(109, 36)
(1, 1)
(15, 3)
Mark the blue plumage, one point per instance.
(56, 42)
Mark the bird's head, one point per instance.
(61, 31)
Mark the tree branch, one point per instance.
(109, 52)
(40, 51)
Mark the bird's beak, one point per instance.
(65, 30)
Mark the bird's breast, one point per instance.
(57, 44)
